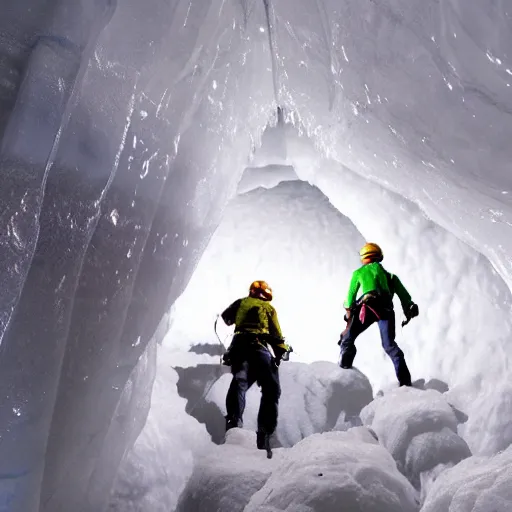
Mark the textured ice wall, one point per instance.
(106, 206)
(413, 94)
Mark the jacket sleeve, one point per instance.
(274, 328)
(279, 346)
(229, 315)
(352, 291)
(403, 294)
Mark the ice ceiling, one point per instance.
(124, 131)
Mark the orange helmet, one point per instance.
(371, 251)
(260, 290)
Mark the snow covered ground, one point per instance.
(320, 474)
(406, 456)
(337, 470)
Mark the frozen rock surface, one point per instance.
(338, 469)
(419, 429)
(315, 398)
(477, 484)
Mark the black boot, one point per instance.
(233, 423)
(263, 443)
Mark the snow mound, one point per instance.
(336, 471)
(315, 398)
(477, 484)
(226, 477)
(419, 429)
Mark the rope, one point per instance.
(216, 374)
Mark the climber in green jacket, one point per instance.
(375, 287)
(256, 330)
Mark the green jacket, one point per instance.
(253, 315)
(374, 278)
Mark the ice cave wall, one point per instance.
(124, 129)
(107, 205)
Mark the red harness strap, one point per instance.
(362, 313)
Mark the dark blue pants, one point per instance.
(387, 335)
(255, 366)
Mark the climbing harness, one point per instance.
(362, 312)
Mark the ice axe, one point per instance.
(223, 360)
(216, 374)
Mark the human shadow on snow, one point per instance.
(193, 384)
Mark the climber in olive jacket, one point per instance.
(375, 287)
(256, 327)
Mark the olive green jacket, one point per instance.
(253, 315)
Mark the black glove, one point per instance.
(281, 349)
(412, 312)
(226, 360)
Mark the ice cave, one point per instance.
(159, 156)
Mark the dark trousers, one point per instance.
(255, 366)
(387, 335)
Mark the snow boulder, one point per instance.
(225, 477)
(315, 398)
(336, 471)
(477, 484)
(419, 429)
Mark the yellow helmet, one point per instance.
(371, 251)
(260, 290)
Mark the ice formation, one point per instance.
(419, 429)
(478, 484)
(125, 128)
(317, 475)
